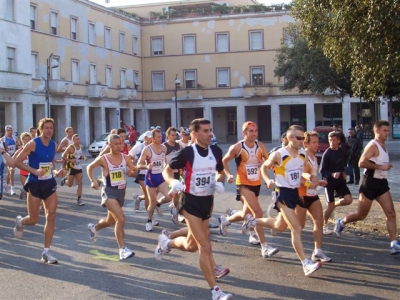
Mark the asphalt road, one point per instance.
(361, 268)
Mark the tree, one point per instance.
(308, 69)
(360, 35)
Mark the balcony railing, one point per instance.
(15, 81)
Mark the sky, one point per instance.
(127, 2)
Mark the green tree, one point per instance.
(360, 35)
(308, 69)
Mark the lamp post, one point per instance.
(51, 64)
(177, 84)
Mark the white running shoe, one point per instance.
(268, 251)
(93, 234)
(230, 211)
(159, 211)
(249, 222)
(48, 258)
(5, 189)
(154, 222)
(136, 201)
(327, 230)
(79, 202)
(181, 219)
(310, 267)
(149, 226)
(162, 247)
(394, 250)
(12, 193)
(253, 239)
(223, 225)
(125, 253)
(320, 256)
(166, 232)
(18, 229)
(217, 294)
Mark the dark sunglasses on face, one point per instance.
(300, 138)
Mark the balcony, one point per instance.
(60, 87)
(15, 81)
(127, 94)
(97, 91)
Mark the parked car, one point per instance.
(213, 140)
(97, 145)
(323, 132)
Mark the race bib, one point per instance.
(381, 174)
(11, 149)
(293, 177)
(77, 163)
(46, 166)
(157, 166)
(117, 178)
(253, 172)
(204, 183)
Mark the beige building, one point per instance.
(161, 64)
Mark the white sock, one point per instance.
(304, 262)
(393, 243)
(46, 249)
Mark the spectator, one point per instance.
(359, 132)
(356, 148)
(132, 137)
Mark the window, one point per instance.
(288, 35)
(107, 37)
(136, 79)
(92, 74)
(257, 76)
(75, 71)
(256, 40)
(92, 34)
(108, 76)
(222, 42)
(10, 10)
(122, 78)
(135, 45)
(223, 77)
(33, 17)
(74, 28)
(55, 72)
(53, 23)
(157, 46)
(35, 65)
(189, 44)
(157, 81)
(10, 59)
(122, 42)
(190, 79)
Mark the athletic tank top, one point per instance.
(11, 144)
(288, 173)
(303, 191)
(382, 158)
(248, 164)
(42, 158)
(136, 151)
(116, 177)
(77, 155)
(125, 150)
(157, 159)
(171, 151)
(201, 176)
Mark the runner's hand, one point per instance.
(219, 187)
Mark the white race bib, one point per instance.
(47, 166)
(204, 183)
(157, 166)
(253, 172)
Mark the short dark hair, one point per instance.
(154, 131)
(121, 130)
(292, 128)
(308, 135)
(379, 123)
(335, 134)
(195, 124)
(169, 130)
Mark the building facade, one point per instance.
(161, 64)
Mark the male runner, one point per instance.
(67, 140)
(185, 137)
(11, 145)
(23, 174)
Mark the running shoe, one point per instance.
(174, 215)
(212, 224)
(63, 180)
(48, 258)
(309, 267)
(154, 222)
(327, 230)
(22, 195)
(338, 227)
(217, 294)
(136, 201)
(253, 239)
(12, 193)
(223, 225)
(181, 219)
(166, 232)
(273, 232)
(18, 229)
(162, 247)
(249, 222)
(220, 271)
(80, 202)
(125, 253)
(230, 211)
(93, 234)
(159, 211)
(5, 189)
(320, 256)
(268, 251)
(395, 249)
(149, 226)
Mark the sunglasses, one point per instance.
(300, 138)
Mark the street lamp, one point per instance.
(51, 64)
(177, 84)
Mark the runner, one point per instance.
(249, 154)
(185, 137)
(201, 161)
(40, 184)
(288, 163)
(125, 147)
(11, 145)
(115, 166)
(153, 160)
(33, 132)
(333, 163)
(23, 174)
(5, 160)
(374, 185)
(72, 157)
(66, 141)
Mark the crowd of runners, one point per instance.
(187, 173)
